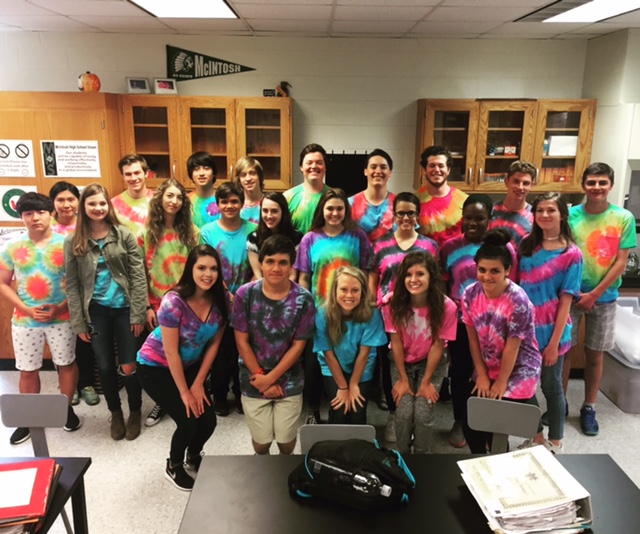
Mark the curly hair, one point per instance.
(336, 325)
(400, 304)
(155, 224)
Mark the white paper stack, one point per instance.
(527, 491)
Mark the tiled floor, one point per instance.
(127, 492)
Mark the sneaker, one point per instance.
(588, 422)
(239, 407)
(132, 428)
(528, 443)
(117, 425)
(313, 418)
(73, 421)
(20, 435)
(90, 396)
(456, 436)
(76, 399)
(222, 408)
(554, 449)
(155, 415)
(544, 418)
(445, 393)
(193, 462)
(390, 429)
(179, 477)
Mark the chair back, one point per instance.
(310, 434)
(503, 418)
(35, 411)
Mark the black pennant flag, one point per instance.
(187, 65)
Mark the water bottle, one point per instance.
(361, 481)
(545, 147)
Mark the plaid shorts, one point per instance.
(599, 328)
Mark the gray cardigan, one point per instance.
(124, 260)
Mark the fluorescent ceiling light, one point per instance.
(187, 9)
(596, 10)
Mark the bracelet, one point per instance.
(149, 308)
(343, 389)
(260, 371)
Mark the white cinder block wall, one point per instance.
(350, 94)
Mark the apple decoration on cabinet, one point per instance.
(89, 82)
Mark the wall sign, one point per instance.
(9, 195)
(71, 159)
(16, 159)
(187, 65)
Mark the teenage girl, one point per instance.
(250, 176)
(173, 363)
(419, 319)
(275, 218)
(500, 324)
(348, 330)
(334, 240)
(550, 273)
(107, 292)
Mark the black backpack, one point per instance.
(356, 473)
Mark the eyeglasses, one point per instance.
(403, 214)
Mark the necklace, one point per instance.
(551, 238)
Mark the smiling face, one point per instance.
(134, 177)
(96, 207)
(313, 167)
(66, 205)
(334, 212)
(475, 221)
(377, 172)
(276, 269)
(548, 218)
(271, 213)
(172, 200)
(597, 187)
(417, 280)
(205, 272)
(249, 180)
(406, 214)
(436, 171)
(348, 293)
(492, 276)
(519, 185)
(203, 176)
(230, 207)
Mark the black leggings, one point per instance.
(338, 417)
(191, 433)
(460, 372)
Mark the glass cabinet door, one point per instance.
(505, 134)
(563, 142)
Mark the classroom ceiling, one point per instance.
(397, 19)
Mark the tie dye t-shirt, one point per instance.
(251, 213)
(132, 212)
(416, 334)
(441, 217)
(39, 273)
(517, 223)
(320, 255)
(387, 257)
(232, 248)
(194, 334)
(63, 229)
(164, 261)
(545, 276)
(510, 315)
(273, 326)
(459, 267)
(600, 237)
(369, 334)
(376, 221)
(302, 206)
(203, 210)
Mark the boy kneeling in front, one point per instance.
(273, 317)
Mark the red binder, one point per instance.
(37, 507)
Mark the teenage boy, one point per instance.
(605, 234)
(228, 235)
(40, 303)
(372, 209)
(132, 205)
(514, 212)
(440, 204)
(201, 168)
(273, 318)
(303, 199)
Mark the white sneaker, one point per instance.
(555, 449)
(390, 429)
(528, 443)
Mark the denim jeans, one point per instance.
(414, 415)
(109, 326)
(551, 383)
(338, 417)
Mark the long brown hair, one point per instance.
(336, 325)
(318, 215)
(401, 309)
(530, 243)
(83, 227)
(182, 224)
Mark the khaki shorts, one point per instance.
(599, 332)
(270, 419)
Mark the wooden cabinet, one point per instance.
(166, 130)
(486, 136)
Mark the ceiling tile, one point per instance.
(480, 14)
(386, 13)
(88, 7)
(46, 23)
(289, 25)
(124, 24)
(372, 27)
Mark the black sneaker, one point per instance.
(313, 418)
(179, 477)
(20, 435)
(239, 407)
(445, 394)
(155, 415)
(193, 462)
(73, 421)
(222, 408)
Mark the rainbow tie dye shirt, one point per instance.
(302, 206)
(517, 223)
(441, 217)
(132, 212)
(203, 210)
(376, 221)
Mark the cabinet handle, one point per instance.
(480, 175)
(173, 171)
(535, 182)
(469, 175)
